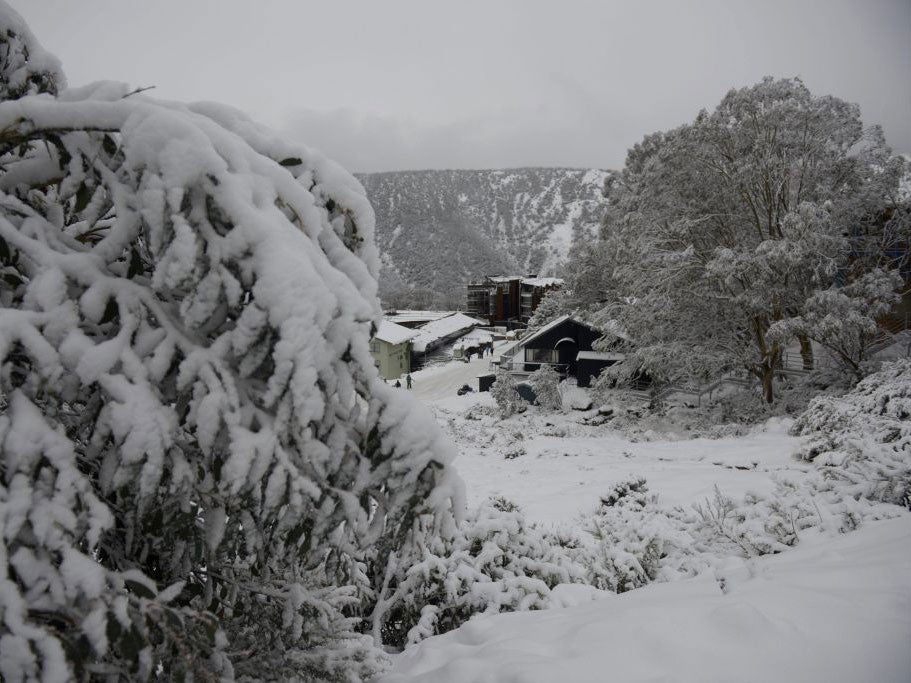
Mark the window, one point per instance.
(540, 355)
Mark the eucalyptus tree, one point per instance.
(720, 228)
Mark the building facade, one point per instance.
(507, 301)
(391, 350)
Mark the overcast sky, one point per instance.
(390, 85)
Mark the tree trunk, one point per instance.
(806, 352)
(767, 377)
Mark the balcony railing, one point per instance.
(527, 366)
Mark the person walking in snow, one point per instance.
(408, 380)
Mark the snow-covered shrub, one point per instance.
(756, 525)
(861, 441)
(202, 474)
(546, 383)
(631, 536)
(497, 562)
(515, 450)
(506, 395)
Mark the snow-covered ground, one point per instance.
(438, 382)
(835, 608)
(829, 610)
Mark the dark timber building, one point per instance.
(508, 301)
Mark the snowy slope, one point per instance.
(437, 229)
(829, 610)
(837, 607)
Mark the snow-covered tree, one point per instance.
(843, 320)
(723, 227)
(545, 381)
(202, 474)
(553, 304)
(506, 395)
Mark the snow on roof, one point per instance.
(551, 325)
(533, 281)
(416, 316)
(478, 336)
(599, 355)
(391, 333)
(542, 281)
(512, 349)
(451, 325)
(473, 338)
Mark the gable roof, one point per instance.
(415, 317)
(391, 333)
(521, 343)
(551, 325)
(434, 331)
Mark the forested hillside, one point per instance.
(437, 229)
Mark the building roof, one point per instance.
(533, 281)
(600, 355)
(551, 325)
(523, 342)
(415, 316)
(433, 332)
(473, 338)
(543, 281)
(391, 333)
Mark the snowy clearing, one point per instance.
(564, 466)
(837, 607)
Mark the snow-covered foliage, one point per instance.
(861, 442)
(718, 229)
(496, 562)
(553, 304)
(629, 545)
(506, 394)
(546, 384)
(843, 319)
(203, 475)
(25, 67)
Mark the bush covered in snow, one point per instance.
(628, 549)
(496, 562)
(506, 394)
(546, 383)
(861, 442)
(203, 475)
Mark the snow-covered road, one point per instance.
(442, 381)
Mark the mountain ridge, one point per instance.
(438, 229)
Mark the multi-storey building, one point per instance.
(508, 301)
